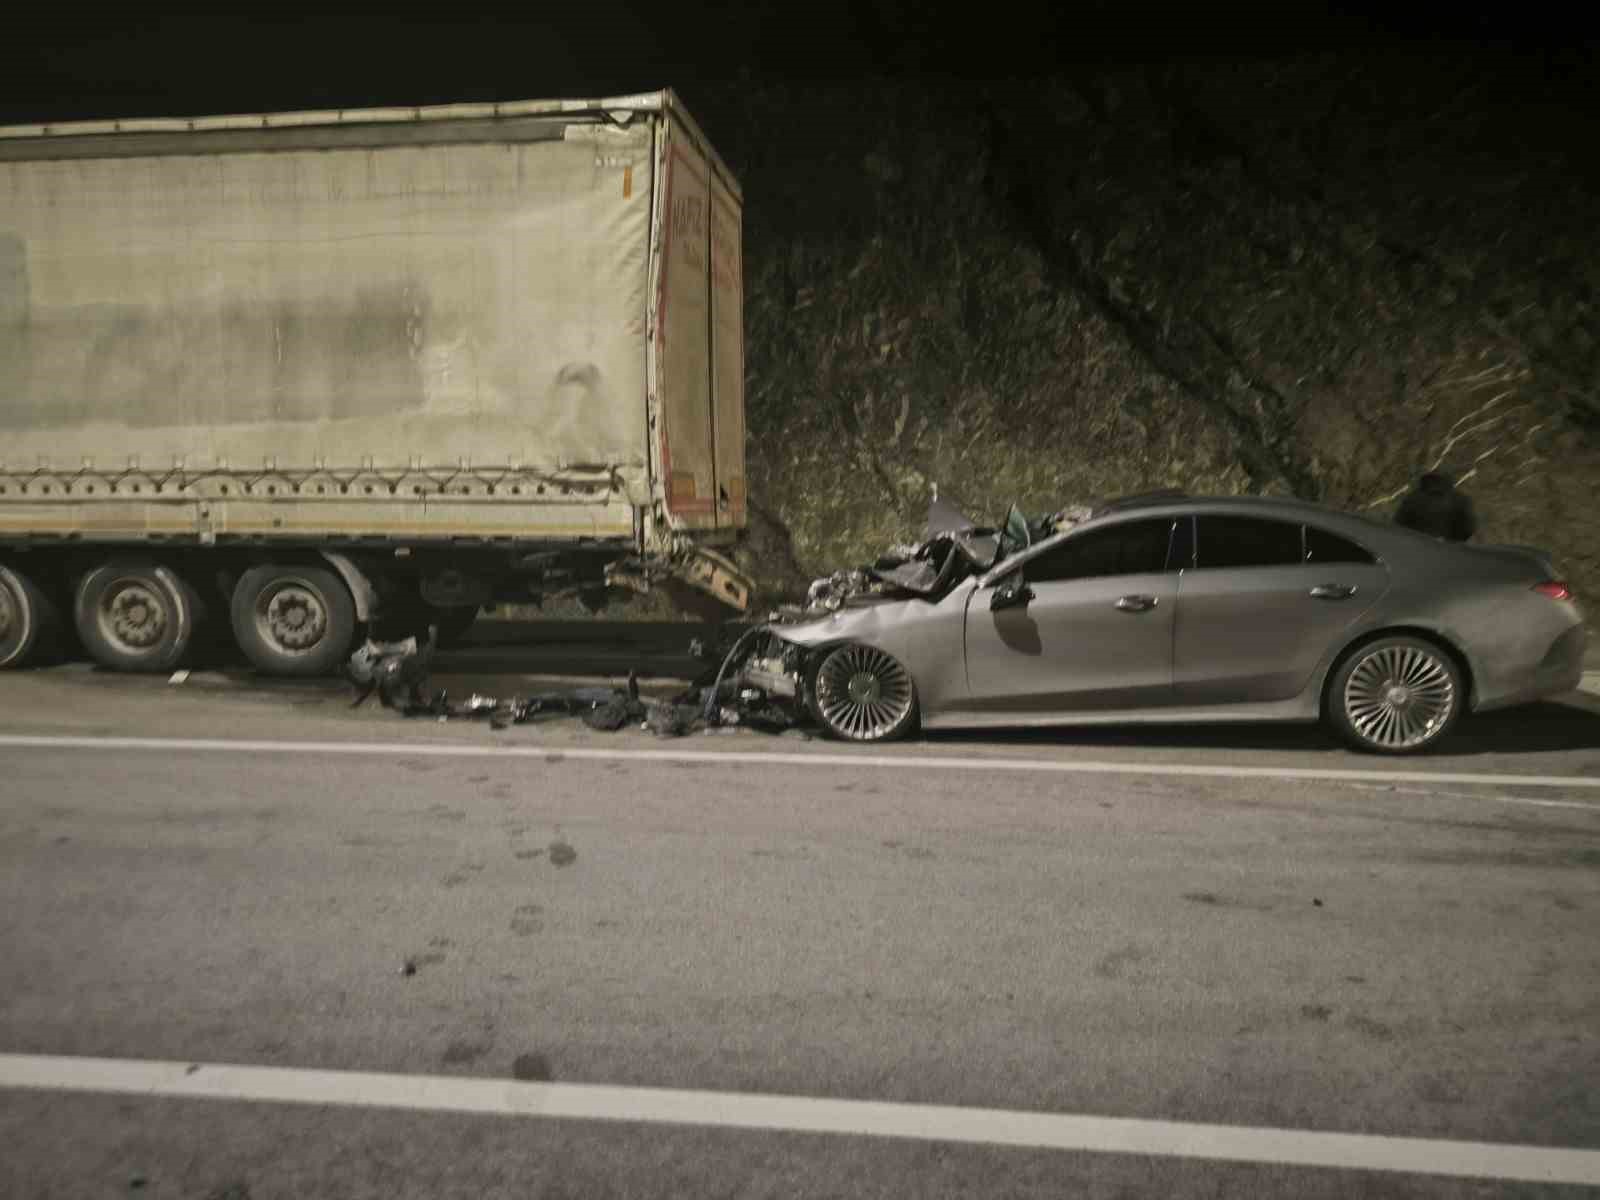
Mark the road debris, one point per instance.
(399, 673)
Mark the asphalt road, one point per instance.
(1398, 956)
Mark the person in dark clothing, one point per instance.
(1435, 507)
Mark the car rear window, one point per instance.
(1325, 547)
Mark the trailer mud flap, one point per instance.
(709, 572)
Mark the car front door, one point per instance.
(1092, 630)
(1265, 600)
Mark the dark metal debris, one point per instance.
(399, 673)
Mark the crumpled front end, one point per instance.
(953, 548)
(899, 604)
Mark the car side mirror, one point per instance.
(1010, 592)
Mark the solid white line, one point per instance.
(800, 1114)
(898, 762)
(1529, 800)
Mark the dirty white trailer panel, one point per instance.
(514, 323)
(426, 303)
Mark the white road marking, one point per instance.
(897, 762)
(1394, 789)
(801, 1114)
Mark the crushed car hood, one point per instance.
(856, 620)
(953, 548)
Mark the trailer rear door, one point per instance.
(686, 439)
(727, 353)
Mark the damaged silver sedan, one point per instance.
(1170, 608)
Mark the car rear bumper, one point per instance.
(1559, 671)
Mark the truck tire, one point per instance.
(137, 616)
(30, 623)
(293, 620)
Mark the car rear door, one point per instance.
(1096, 631)
(1261, 606)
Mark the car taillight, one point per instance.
(1553, 588)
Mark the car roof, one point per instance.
(1288, 508)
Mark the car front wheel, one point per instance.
(863, 694)
(1395, 695)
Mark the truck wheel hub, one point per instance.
(138, 617)
(295, 618)
(8, 612)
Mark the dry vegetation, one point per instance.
(1319, 277)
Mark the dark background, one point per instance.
(122, 61)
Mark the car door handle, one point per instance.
(1136, 603)
(1333, 591)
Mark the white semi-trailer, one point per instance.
(302, 373)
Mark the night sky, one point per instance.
(69, 64)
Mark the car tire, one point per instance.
(1395, 695)
(30, 622)
(137, 616)
(292, 620)
(859, 693)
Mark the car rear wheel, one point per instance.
(863, 694)
(1395, 695)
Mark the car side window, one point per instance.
(1248, 542)
(1325, 547)
(1131, 548)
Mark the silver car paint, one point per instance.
(1072, 648)
(1517, 645)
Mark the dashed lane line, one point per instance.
(860, 760)
(801, 1114)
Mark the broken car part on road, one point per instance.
(400, 673)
